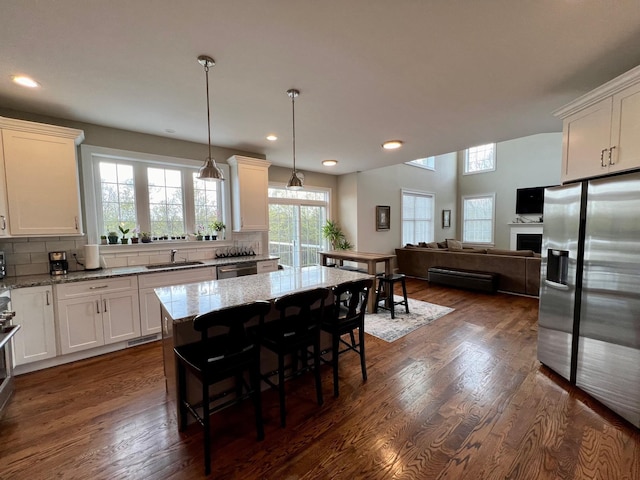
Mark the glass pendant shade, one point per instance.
(294, 183)
(210, 171)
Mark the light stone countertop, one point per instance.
(79, 276)
(184, 302)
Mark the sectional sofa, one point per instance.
(518, 270)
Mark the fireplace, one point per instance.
(529, 241)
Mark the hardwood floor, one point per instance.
(462, 398)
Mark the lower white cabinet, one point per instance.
(36, 339)
(149, 303)
(97, 312)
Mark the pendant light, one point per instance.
(295, 182)
(209, 171)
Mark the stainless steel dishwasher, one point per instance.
(237, 270)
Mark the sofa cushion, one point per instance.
(432, 245)
(512, 253)
(454, 245)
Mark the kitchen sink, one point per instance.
(170, 265)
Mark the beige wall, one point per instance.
(524, 162)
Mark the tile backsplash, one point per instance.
(30, 256)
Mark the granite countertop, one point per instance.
(186, 301)
(79, 276)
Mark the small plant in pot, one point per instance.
(199, 232)
(124, 232)
(145, 237)
(134, 234)
(103, 239)
(217, 227)
(113, 238)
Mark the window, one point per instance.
(159, 194)
(480, 159)
(417, 217)
(477, 218)
(296, 219)
(428, 163)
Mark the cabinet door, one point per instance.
(36, 339)
(626, 130)
(149, 312)
(120, 316)
(80, 324)
(586, 141)
(42, 184)
(254, 207)
(4, 211)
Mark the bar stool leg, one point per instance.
(404, 294)
(390, 301)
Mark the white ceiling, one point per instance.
(441, 75)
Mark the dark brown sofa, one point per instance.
(518, 270)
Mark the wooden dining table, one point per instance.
(370, 259)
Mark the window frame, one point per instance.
(465, 168)
(92, 155)
(463, 221)
(424, 167)
(417, 193)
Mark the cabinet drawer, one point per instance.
(93, 287)
(267, 266)
(166, 279)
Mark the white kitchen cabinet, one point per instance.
(250, 185)
(36, 339)
(601, 130)
(149, 303)
(97, 312)
(267, 266)
(41, 178)
(4, 210)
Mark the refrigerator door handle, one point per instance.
(557, 286)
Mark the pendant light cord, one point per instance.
(293, 116)
(206, 74)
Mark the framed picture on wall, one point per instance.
(446, 218)
(383, 217)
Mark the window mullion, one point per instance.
(142, 196)
(189, 200)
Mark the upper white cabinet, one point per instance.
(601, 130)
(36, 339)
(250, 185)
(41, 179)
(4, 210)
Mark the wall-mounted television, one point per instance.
(530, 201)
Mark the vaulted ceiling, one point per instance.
(439, 75)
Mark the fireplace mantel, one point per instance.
(523, 228)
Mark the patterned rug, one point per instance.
(420, 313)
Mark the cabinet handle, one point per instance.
(76, 219)
(104, 303)
(98, 286)
(97, 306)
(48, 301)
(602, 164)
(610, 152)
(4, 222)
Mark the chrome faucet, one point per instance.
(173, 255)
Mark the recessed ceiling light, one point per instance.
(272, 138)
(25, 81)
(329, 163)
(392, 144)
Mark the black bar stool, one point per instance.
(385, 287)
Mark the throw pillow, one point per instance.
(432, 245)
(442, 244)
(454, 245)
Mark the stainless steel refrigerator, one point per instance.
(589, 320)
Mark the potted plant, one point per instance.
(134, 234)
(124, 233)
(113, 238)
(217, 226)
(332, 232)
(103, 239)
(199, 232)
(145, 237)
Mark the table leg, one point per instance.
(371, 270)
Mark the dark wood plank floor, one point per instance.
(462, 398)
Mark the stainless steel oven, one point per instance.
(6, 332)
(237, 270)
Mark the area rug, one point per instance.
(420, 313)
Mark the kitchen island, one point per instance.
(180, 304)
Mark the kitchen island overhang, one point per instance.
(181, 303)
